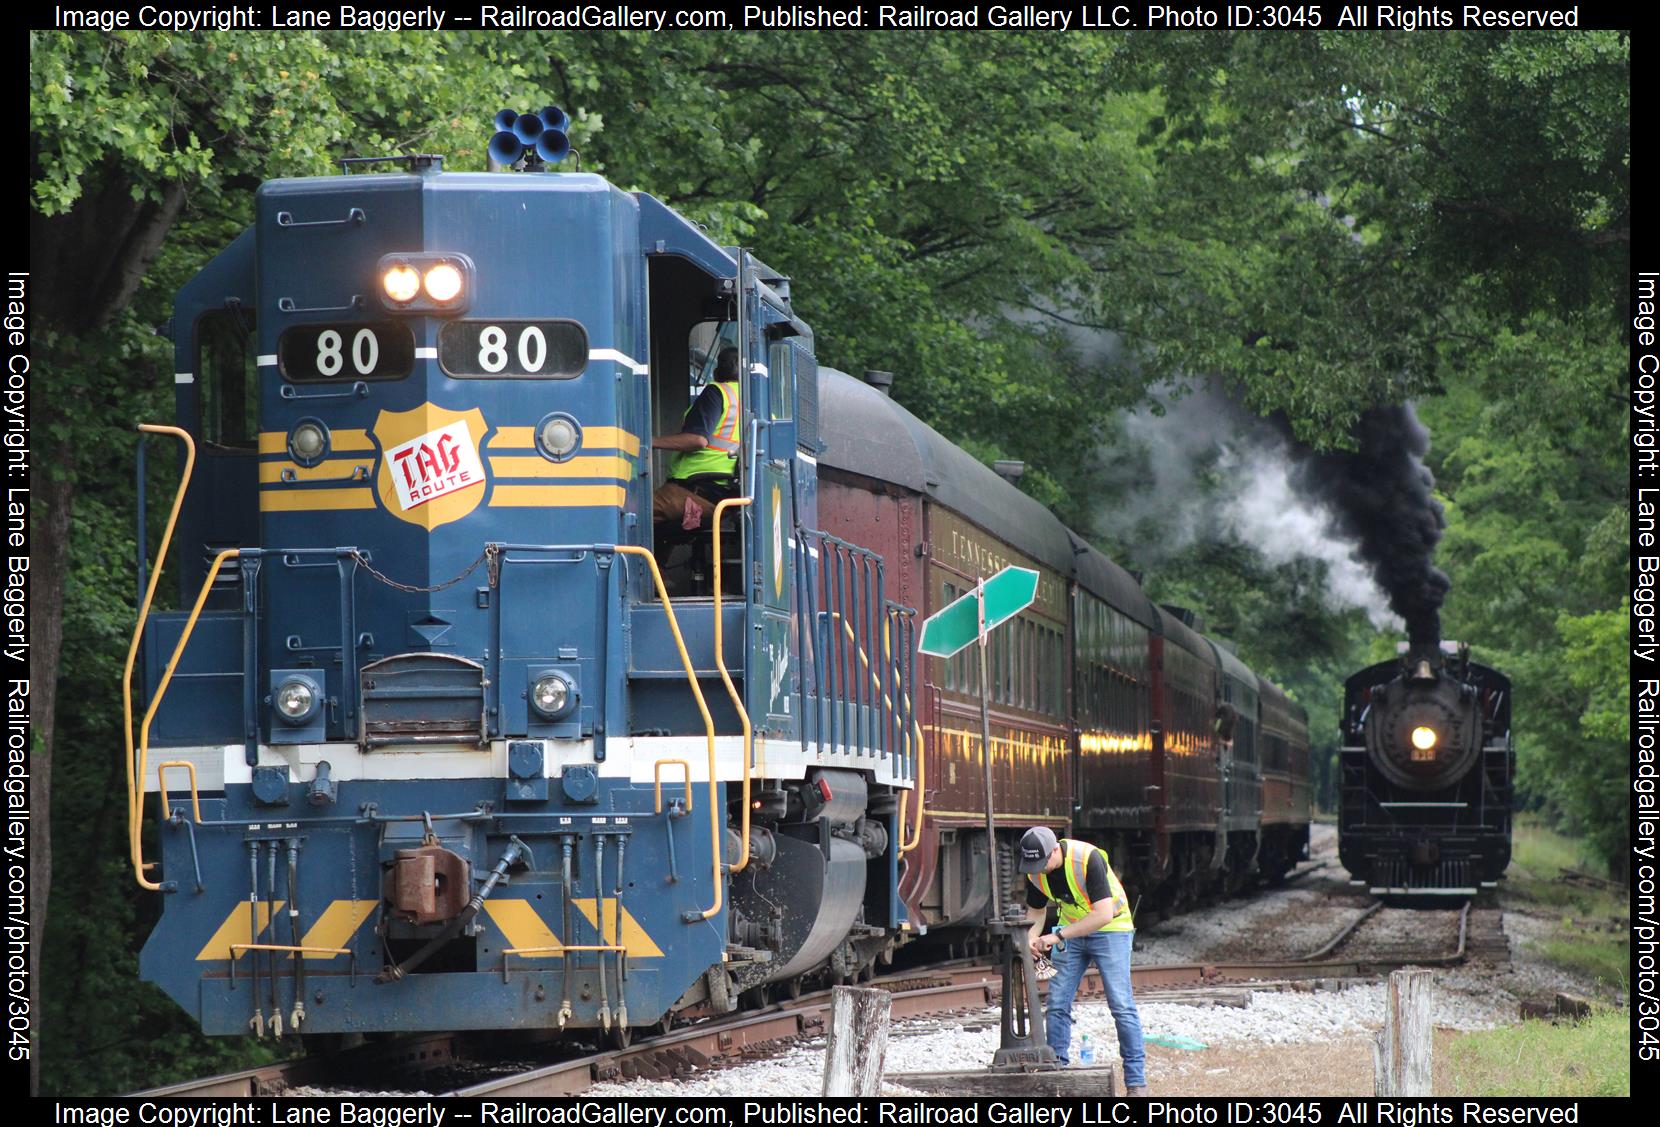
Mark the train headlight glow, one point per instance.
(402, 282)
(551, 696)
(1423, 738)
(443, 283)
(296, 701)
(308, 442)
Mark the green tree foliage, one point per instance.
(1369, 218)
(1364, 213)
(1028, 228)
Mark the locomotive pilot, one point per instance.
(703, 465)
(1095, 924)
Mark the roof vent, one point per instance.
(1009, 469)
(1186, 616)
(881, 381)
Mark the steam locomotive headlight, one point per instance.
(1424, 740)
(402, 282)
(443, 283)
(551, 696)
(296, 701)
(558, 436)
(308, 442)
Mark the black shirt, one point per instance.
(1096, 883)
(707, 408)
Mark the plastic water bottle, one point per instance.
(1086, 1052)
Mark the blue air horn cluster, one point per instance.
(527, 140)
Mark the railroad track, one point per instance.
(1479, 931)
(956, 988)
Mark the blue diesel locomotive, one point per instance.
(439, 743)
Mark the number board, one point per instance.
(384, 350)
(513, 349)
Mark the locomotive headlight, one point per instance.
(402, 282)
(558, 437)
(1423, 738)
(296, 701)
(443, 283)
(551, 696)
(308, 442)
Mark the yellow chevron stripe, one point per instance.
(314, 500)
(235, 930)
(335, 469)
(338, 923)
(340, 441)
(548, 496)
(634, 937)
(523, 928)
(609, 466)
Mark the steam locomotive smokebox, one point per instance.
(1440, 714)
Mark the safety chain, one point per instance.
(491, 555)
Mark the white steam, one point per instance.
(1206, 471)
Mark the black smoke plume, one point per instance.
(1382, 496)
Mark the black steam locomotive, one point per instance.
(1427, 769)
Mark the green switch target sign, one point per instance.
(1006, 594)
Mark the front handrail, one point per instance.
(135, 802)
(731, 690)
(155, 704)
(708, 726)
(657, 782)
(161, 785)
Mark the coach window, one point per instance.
(227, 380)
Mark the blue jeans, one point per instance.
(1110, 951)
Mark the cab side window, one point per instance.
(227, 380)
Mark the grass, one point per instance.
(1592, 932)
(1586, 1058)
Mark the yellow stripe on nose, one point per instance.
(602, 466)
(523, 928)
(338, 923)
(634, 937)
(235, 929)
(547, 496)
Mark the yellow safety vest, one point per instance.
(1075, 857)
(721, 455)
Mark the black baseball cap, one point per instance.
(1035, 848)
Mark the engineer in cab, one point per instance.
(703, 461)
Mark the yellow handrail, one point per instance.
(657, 781)
(161, 691)
(291, 948)
(161, 785)
(916, 728)
(726, 678)
(702, 707)
(135, 801)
